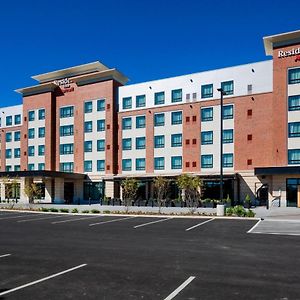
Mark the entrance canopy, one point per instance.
(291, 170)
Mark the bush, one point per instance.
(106, 211)
(85, 211)
(239, 211)
(53, 209)
(44, 209)
(95, 211)
(250, 213)
(74, 210)
(229, 211)
(64, 210)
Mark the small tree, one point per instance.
(248, 201)
(32, 191)
(161, 185)
(129, 189)
(191, 185)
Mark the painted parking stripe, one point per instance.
(252, 228)
(110, 221)
(73, 220)
(5, 255)
(197, 225)
(40, 280)
(179, 289)
(15, 217)
(150, 223)
(37, 219)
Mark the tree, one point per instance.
(161, 185)
(129, 189)
(32, 191)
(191, 185)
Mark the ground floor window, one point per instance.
(93, 191)
(292, 186)
(12, 191)
(211, 189)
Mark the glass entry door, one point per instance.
(292, 192)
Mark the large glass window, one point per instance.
(176, 140)
(206, 91)
(206, 161)
(206, 137)
(42, 114)
(141, 101)
(88, 126)
(177, 95)
(101, 105)
(17, 152)
(292, 191)
(176, 162)
(17, 119)
(159, 119)
(67, 167)
(31, 133)
(67, 111)
(140, 142)
(126, 164)
(126, 144)
(206, 114)
(294, 103)
(159, 98)
(100, 165)
(41, 166)
(88, 146)
(159, 141)
(66, 130)
(88, 107)
(93, 191)
(88, 166)
(294, 129)
(8, 153)
(17, 136)
(294, 76)
(228, 112)
(41, 150)
(101, 145)
(176, 117)
(30, 167)
(31, 115)
(126, 123)
(8, 136)
(100, 125)
(159, 163)
(228, 136)
(17, 168)
(41, 132)
(140, 122)
(127, 103)
(140, 164)
(228, 160)
(8, 121)
(294, 156)
(227, 87)
(31, 151)
(66, 149)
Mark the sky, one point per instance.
(145, 40)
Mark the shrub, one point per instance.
(95, 211)
(250, 214)
(53, 209)
(74, 210)
(85, 211)
(239, 211)
(44, 209)
(229, 211)
(106, 211)
(64, 210)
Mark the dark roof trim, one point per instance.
(44, 173)
(277, 170)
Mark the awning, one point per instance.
(290, 170)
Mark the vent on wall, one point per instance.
(249, 89)
(194, 96)
(188, 97)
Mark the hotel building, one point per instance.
(80, 131)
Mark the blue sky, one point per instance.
(145, 40)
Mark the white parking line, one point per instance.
(145, 224)
(41, 280)
(73, 220)
(37, 219)
(179, 289)
(252, 228)
(197, 225)
(5, 255)
(15, 217)
(110, 221)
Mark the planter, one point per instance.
(220, 209)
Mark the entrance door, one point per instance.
(298, 196)
(69, 192)
(292, 192)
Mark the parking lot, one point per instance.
(59, 256)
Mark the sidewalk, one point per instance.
(278, 213)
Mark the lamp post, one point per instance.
(222, 92)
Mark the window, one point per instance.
(8, 136)
(88, 107)
(66, 167)
(31, 115)
(294, 76)
(228, 112)
(8, 153)
(88, 146)
(42, 114)
(140, 143)
(100, 125)
(140, 164)
(294, 129)
(126, 164)
(176, 162)
(206, 137)
(31, 151)
(100, 145)
(176, 140)
(176, 117)
(127, 103)
(66, 149)
(17, 119)
(159, 119)
(126, 123)
(88, 166)
(30, 167)
(41, 132)
(159, 163)
(41, 166)
(101, 105)
(8, 121)
(206, 114)
(31, 133)
(67, 112)
(228, 136)
(101, 165)
(140, 101)
(17, 136)
(126, 144)
(294, 103)
(88, 126)
(227, 87)
(159, 141)
(17, 168)
(206, 91)
(159, 98)
(41, 150)
(8, 168)
(294, 156)
(66, 130)
(177, 95)
(228, 160)
(140, 122)
(17, 153)
(206, 161)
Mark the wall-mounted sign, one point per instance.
(65, 83)
(292, 52)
